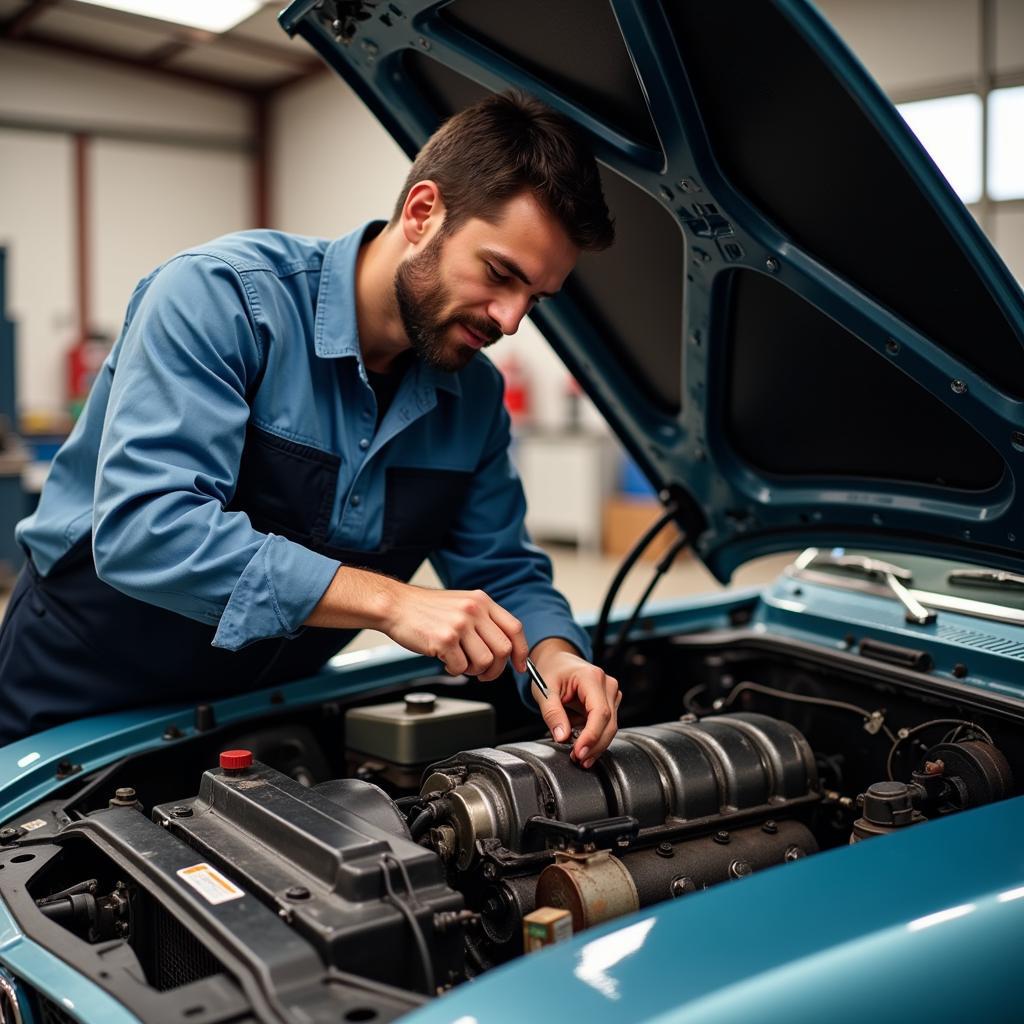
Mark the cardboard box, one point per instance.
(624, 522)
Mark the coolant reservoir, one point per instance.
(406, 736)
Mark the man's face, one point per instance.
(461, 292)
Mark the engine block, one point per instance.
(668, 809)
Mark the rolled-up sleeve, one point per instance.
(489, 548)
(168, 465)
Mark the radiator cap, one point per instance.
(235, 760)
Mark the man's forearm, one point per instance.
(544, 649)
(355, 599)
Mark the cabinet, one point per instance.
(567, 477)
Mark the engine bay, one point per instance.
(359, 857)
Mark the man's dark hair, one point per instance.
(507, 144)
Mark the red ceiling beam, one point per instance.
(82, 240)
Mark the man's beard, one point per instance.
(422, 299)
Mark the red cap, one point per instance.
(233, 760)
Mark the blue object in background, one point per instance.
(12, 460)
(7, 363)
(632, 481)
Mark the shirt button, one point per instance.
(355, 501)
(364, 444)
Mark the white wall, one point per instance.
(36, 226)
(35, 83)
(146, 200)
(910, 44)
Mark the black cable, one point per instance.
(693, 709)
(662, 567)
(905, 734)
(400, 905)
(802, 698)
(630, 560)
(424, 820)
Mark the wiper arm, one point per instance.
(894, 577)
(985, 578)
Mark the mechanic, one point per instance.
(287, 427)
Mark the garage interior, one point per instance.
(124, 138)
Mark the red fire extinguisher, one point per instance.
(84, 359)
(517, 390)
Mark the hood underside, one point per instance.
(801, 334)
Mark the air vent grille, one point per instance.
(981, 641)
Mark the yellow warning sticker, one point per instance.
(210, 883)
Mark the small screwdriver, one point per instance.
(537, 678)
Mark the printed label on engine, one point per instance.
(210, 883)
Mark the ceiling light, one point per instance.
(211, 17)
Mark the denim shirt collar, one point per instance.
(336, 333)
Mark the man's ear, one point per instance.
(422, 213)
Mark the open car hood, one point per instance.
(801, 335)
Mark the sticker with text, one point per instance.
(210, 883)
(31, 826)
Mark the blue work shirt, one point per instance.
(257, 330)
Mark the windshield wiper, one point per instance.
(894, 577)
(985, 578)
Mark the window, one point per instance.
(950, 128)
(1006, 143)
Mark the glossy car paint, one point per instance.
(899, 929)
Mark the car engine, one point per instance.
(280, 887)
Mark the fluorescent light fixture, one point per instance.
(950, 129)
(209, 15)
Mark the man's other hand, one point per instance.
(465, 629)
(579, 695)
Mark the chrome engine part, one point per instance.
(669, 809)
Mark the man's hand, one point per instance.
(578, 694)
(465, 629)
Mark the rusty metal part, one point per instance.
(593, 888)
(705, 862)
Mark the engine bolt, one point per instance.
(665, 850)
(490, 871)
(793, 853)
(297, 892)
(770, 827)
(7, 834)
(682, 885)
(722, 837)
(739, 869)
(934, 767)
(181, 811)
